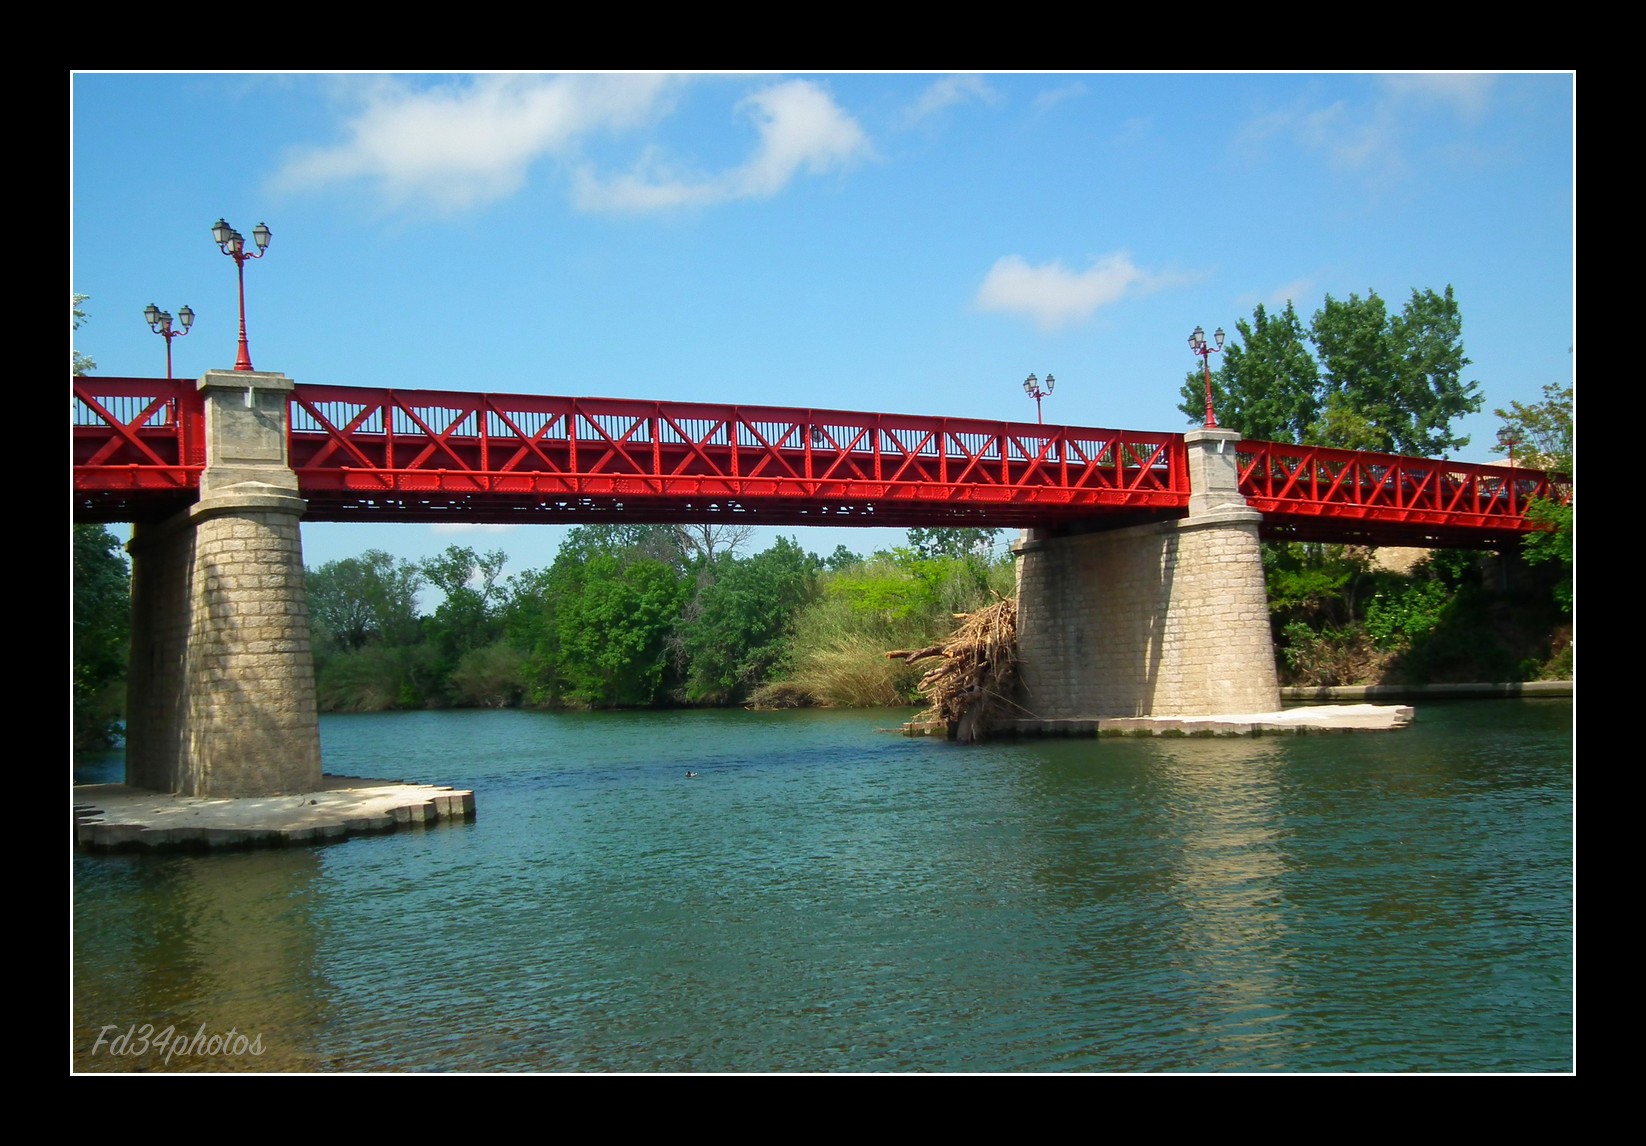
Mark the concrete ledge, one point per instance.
(1288, 722)
(115, 817)
(1359, 692)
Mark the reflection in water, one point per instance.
(226, 943)
(825, 898)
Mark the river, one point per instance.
(827, 897)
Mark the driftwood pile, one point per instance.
(972, 680)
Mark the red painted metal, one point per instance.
(139, 447)
(1312, 493)
(365, 454)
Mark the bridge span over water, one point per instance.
(1140, 581)
(365, 454)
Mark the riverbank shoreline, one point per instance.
(1358, 693)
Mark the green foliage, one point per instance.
(1376, 381)
(956, 543)
(1406, 610)
(370, 599)
(1553, 546)
(1315, 584)
(657, 542)
(1393, 382)
(375, 678)
(78, 363)
(841, 558)
(893, 600)
(469, 617)
(612, 621)
(1329, 656)
(1541, 435)
(738, 627)
(489, 677)
(101, 635)
(1267, 385)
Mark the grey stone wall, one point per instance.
(220, 692)
(162, 560)
(1169, 619)
(253, 725)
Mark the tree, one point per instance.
(1376, 381)
(611, 622)
(102, 629)
(705, 541)
(1542, 435)
(596, 626)
(468, 618)
(658, 542)
(1393, 384)
(78, 363)
(960, 543)
(1267, 386)
(739, 626)
(364, 600)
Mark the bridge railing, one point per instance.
(144, 436)
(361, 442)
(1318, 482)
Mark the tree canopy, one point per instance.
(1391, 383)
(1542, 435)
(1267, 385)
(102, 625)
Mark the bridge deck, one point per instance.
(364, 454)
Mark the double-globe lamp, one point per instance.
(233, 244)
(160, 322)
(1031, 387)
(1197, 345)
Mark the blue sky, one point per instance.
(908, 243)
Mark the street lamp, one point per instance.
(1031, 387)
(160, 322)
(233, 244)
(1197, 345)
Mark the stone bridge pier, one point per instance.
(220, 696)
(1165, 619)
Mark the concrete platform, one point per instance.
(1288, 722)
(110, 817)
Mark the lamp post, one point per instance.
(233, 244)
(1031, 387)
(1197, 345)
(160, 322)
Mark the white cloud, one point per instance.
(469, 142)
(1370, 135)
(1468, 94)
(1054, 296)
(1051, 97)
(947, 93)
(800, 129)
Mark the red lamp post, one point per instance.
(1031, 387)
(233, 244)
(1197, 345)
(160, 322)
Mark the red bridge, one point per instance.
(364, 454)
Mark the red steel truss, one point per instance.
(139, 447)
(364, 454)
(424, 455)
(1311, 493)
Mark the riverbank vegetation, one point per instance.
(639, 616)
